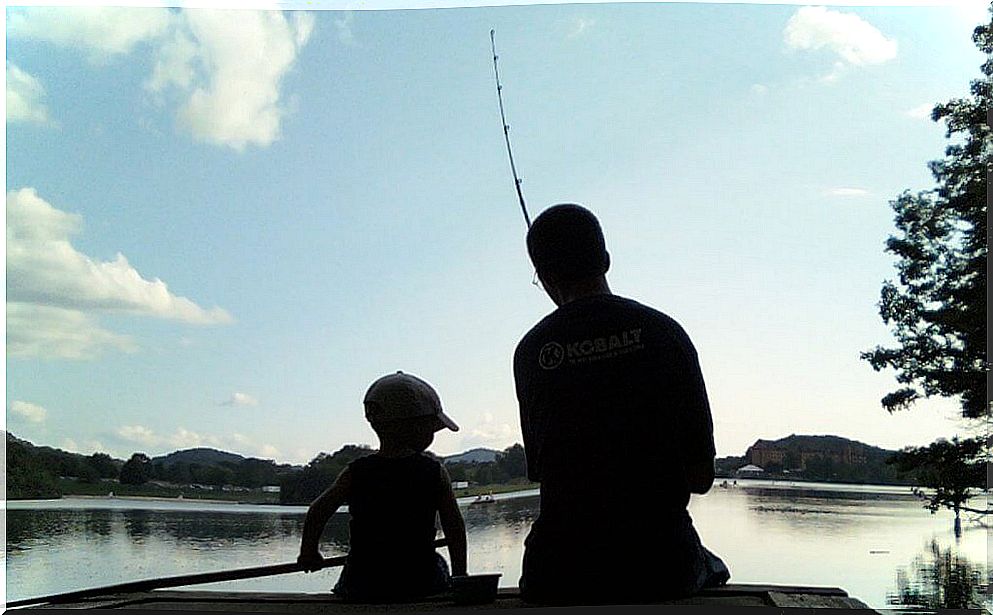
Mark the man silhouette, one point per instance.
(617, 429)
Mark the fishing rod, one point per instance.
(187, 579)
(506, 130)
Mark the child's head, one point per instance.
(405, 411)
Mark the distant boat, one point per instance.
(110, 495)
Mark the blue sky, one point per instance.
(222, 226)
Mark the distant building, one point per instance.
(766, 453)
(270, 489)
(749, 470)
(460, 484)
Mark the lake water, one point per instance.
(852, 537)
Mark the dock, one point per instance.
(732, 595)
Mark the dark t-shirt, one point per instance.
(392, 504)
(612, 404)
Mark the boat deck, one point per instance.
(508, 598)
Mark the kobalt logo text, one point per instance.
(594, 349)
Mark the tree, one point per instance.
(512, 461)
(26, 476)
(136, 470)
(937, 309)
(304, 486)
(951, 469)
(104, 464)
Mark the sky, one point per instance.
(222, 226)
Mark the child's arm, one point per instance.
(318, 514)
(452, 525)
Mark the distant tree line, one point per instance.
(249, 473)
(34, 471)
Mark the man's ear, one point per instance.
(607, 258)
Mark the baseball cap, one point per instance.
(404, 396)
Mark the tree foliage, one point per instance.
(304, 486)
(951, 470)
(26, 473)
(137, 470)
(937, 307)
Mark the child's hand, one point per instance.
(310, 560)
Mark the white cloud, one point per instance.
(25, 96)
(579, 26)
(100, 31)
(226, 66)
(26, 410)
(491, 433)
(138, 434)
(240, 399)
(855, 41)
(759, 90)
(184, 438)
(920, 112)
(232, 75)
(52, 289)
(849, 192)
(87, 448)
(52, 332)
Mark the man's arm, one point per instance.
(527, 431)
(452, 525)
(318, 514)
(695, 424)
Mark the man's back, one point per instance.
(612, 407)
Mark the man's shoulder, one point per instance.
(657, 316)
(660, 326)
(535, 332)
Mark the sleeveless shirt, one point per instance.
(393, 505)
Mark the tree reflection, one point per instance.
(939, 579)
(136, 524)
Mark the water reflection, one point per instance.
(855, 541)
(939, 578)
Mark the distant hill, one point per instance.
(476, 455)
(826, 444)
(201, 456)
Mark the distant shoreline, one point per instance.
(152, 498)
(533, 491)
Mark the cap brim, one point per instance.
(447, 421)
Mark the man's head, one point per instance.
(405, 410)
(566, 245)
